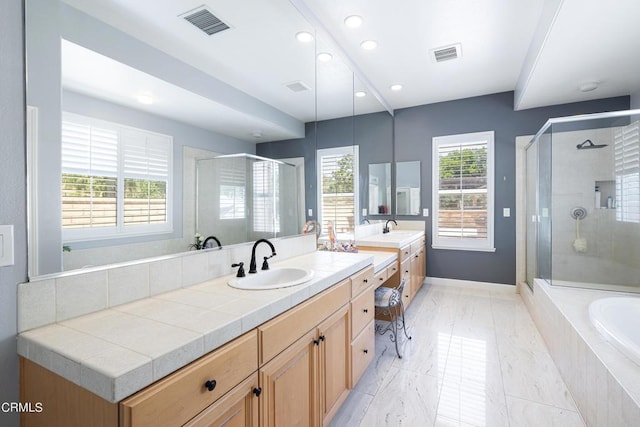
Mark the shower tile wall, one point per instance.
(574, 176)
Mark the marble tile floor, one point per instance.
(476, 359)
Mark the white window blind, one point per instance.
(266, 197)
(463, 191)
(627, 170)
(115, 179)
(337, 198)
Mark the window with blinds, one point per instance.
(626, 142)
(337, 198)
(115, 179)
(463, 191)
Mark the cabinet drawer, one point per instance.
(362, 310)
(392, 269)
(279, 333)
(380, 277)
(175, 399)
(362, 352)
(361, 280)
(404, 252)
(416, 245)
(239, 407)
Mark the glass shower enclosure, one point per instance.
(242, 198)
(583, 202)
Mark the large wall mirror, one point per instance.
(408, 188)
(380, 189)
(107, 71)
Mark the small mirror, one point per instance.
(408, 188)
(380, 189)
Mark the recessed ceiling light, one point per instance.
(396, 87)
(304, 37)
(256, 134)
(324, 56)
(360, 94)
(353, 21)
(145, 98)
(588, 86)
(368, 45)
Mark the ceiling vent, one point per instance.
(447, 53)
(297, 86)
(206, 21)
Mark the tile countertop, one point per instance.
(393, 239)
(119, 351)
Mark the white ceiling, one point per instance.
(544, 50)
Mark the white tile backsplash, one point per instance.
(72, 294)
(36, 304)
(128, 284)
(81, 294)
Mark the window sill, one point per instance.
(463, 248)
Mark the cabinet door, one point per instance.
(405, 273)
(415, 273)
(289, 386)
(237, 408)
(334, 362)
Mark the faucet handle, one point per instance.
(265, 264)
(240, 270)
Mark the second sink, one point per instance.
(273, 279)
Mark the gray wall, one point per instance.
(13, 194)
(413, 129)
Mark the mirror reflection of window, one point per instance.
(115, 179)
(626, 142)
(337, 195)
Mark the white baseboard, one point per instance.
(441, 281)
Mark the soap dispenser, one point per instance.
(598, 197)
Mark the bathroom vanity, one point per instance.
(295, 367)
(410, 247)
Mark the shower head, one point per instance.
(588, 144)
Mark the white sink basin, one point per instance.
(272, 279)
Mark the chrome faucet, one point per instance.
(208, 239)
(365, 220)
(265, 264)
(386, 225)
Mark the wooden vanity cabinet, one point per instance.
(239, 407)
(175, 399)
(294, 370)
(307, 382)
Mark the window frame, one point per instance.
(120, 230)
(344, 150)
(460, 243)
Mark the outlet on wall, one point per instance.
(425, 212)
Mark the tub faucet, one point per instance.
(386, 225)
(265, 265)
(208, 239)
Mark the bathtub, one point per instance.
(617, 319)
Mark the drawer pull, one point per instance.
(380, 278)
(320, 338)
(366, 280)
(406, 271)
(257, 391)
(366, 310)
(210, 385)
(365, 351)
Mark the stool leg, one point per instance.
(404, 324)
